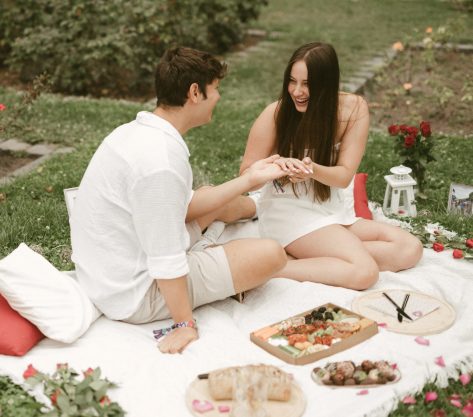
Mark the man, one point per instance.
(135, 216)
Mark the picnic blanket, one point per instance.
(154, 384)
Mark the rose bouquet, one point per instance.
(438, 238)
(415, 145)
(73, 397)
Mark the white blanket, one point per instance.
(154, 384)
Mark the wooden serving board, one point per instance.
(432, 323)
(368, 329)
(199, 390)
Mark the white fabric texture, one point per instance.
(285, 217)
(48, 298)
(138, 176)
(152, 383)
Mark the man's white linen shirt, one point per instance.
(128, 219)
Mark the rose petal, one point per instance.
(394, 365)
(439, 361)
(468, 410)
(465, 379)
(382, 324)
(202, 406)
(430, 396)
(456, 403)
(408, 399)
(422, 341)
(362, 392)
(455, 397)
(223, 409)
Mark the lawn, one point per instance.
(33, 209)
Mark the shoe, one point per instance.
(210, 237)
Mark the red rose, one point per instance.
(469, 243)
(54, 396)
(403, 128)
(438, 247)
(88, 372)
(30, 371)
(457, 253)
(2, 107)
(393, 130)
(409, 141)
(104, 401)
(411, 130)
(425, 129)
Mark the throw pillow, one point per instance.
(17, 335)
(361, 197)
(48, 298)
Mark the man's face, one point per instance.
(207, 105)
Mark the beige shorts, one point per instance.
(209, 279)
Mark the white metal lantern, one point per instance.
(399, 198)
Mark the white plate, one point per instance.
(318, 381)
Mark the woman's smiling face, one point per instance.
(298, 87)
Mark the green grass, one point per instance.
(358, 29)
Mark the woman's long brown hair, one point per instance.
(312, 133)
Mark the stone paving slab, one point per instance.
(14, 145)
(41, 149)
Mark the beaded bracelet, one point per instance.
(158, 334)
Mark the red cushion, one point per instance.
(17, 335)
(360, 197)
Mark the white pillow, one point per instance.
(47, 297)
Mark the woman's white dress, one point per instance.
(286, 217)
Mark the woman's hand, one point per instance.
(295, 169)
(178, 339)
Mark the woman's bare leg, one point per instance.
(392, 248)
(332, 255)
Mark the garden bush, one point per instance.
(104, 47)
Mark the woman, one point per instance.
(321, 134)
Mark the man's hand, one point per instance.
(264, 170)
(178, 339)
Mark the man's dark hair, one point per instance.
(179, 68)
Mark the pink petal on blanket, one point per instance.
(382, 325)
(456, 403)
(439, 361)
(465, 379)
(422, 341)
(409, 399)
(363, 392)
(223, 409)
(202, 406)
(468, 410)
(430, 396)
(417, 314)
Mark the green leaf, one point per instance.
(63, 403)
(89, 396)
(98, 385)
(82, 385)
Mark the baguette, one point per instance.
(222, 381)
